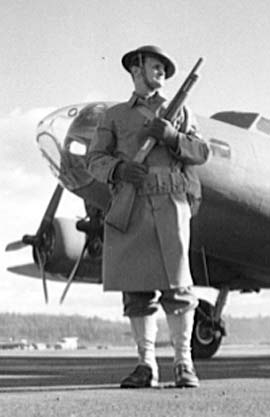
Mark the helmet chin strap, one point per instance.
(144, 75)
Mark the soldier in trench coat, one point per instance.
(149, 262)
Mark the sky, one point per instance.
(62, 52)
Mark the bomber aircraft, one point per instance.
(230, 244)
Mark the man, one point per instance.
(149, 262)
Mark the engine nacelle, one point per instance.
(64, 244)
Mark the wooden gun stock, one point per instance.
(122, 204)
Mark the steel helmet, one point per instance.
(150, 50)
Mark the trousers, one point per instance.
(173, 301)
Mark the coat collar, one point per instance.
(155, 100)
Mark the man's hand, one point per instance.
(132, 172)
(163, 131)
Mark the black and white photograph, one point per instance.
(135, 209)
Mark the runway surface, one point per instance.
(86, 383)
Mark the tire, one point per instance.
(206, 336)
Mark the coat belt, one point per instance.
(162, 180)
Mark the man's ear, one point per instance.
(135, 71)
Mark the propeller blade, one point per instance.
(51, 209)
(74, 271)
(42, 272)
(45, 222)
(37, 240)
(19, 244)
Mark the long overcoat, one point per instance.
(153, 253)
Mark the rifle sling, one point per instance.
(148, 145)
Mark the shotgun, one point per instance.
(122, 203)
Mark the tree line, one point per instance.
(50, 328)
(94, 330)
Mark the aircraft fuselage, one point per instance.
(234, 219)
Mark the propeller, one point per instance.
(38, 241)
(41, 262)
(19, 244)
(93, 231)
(74, 270)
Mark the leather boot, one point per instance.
(181, 326)
(144, 330)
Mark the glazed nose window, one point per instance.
(52, 136)
(64, 137)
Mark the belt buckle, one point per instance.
(162, 183)
(151, 184)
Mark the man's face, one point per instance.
(155, 72)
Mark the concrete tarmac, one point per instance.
(86, 383)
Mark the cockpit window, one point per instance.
(236, 118)
(263, 125)
(77, 148)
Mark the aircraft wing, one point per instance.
(31, 270)
(91, 276)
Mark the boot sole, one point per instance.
(152, 384)
(188, 385)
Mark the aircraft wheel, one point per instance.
(207, 336)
